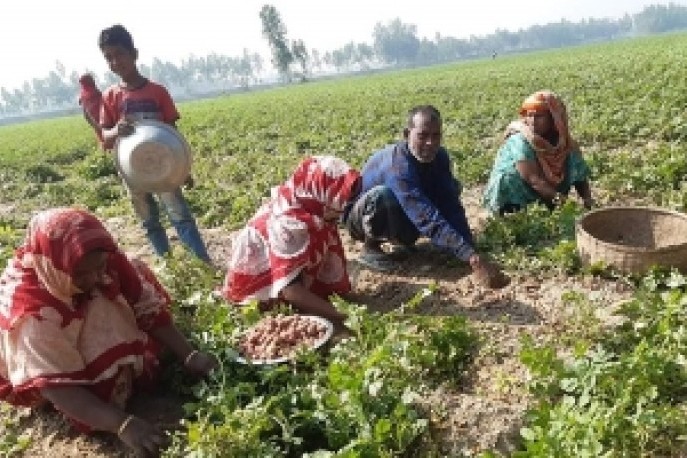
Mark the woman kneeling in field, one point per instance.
(81, 325)
(290, 250)
(539, 161)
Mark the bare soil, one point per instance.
(484, 413)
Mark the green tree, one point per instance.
(300, 55)
(661, 18)
(316, 59)
(12, 100)
(274, 30)
(396, 43)
(248, 67)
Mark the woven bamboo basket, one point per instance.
(633, 239)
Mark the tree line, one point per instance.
(394, 44)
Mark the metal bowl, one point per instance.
(154, 158)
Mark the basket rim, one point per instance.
(629, 248)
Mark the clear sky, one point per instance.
(35, 34)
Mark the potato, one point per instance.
(280, 335)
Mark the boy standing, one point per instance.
(133, 99)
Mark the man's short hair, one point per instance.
(116, 35)
(427, 110)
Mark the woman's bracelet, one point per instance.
(190, 356)
(124, 424)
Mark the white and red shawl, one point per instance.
(53, 334)
(289, 236)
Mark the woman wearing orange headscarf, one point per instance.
(539, 161)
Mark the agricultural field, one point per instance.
(566, 361)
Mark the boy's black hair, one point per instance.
(116, 35)
(427, 110)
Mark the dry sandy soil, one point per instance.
(485, 412)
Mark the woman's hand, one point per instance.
(305, 301)
(82, 405)
(584, 190)
(195, 362)
(200, 364)
(143, 437)
(531, 173)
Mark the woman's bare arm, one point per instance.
(196, 362)
(306, 301)
(531, 173)
(79, 403)
(584, 190)
(82, 405)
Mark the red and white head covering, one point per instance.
(40, 274)
(51, 333)
(289, 236)
(550, 157)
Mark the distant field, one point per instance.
(624, 96)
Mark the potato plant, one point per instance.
(620, 394)
(362, 396)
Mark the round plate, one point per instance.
(282, 359)
(154, 158)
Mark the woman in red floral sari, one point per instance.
(291, 250)
(81, 325)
